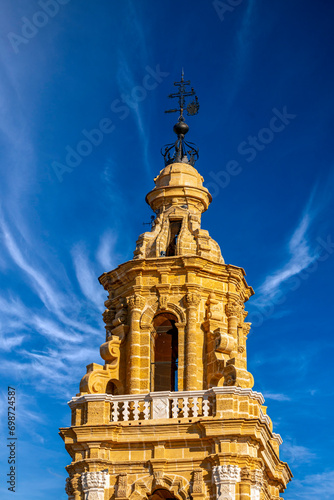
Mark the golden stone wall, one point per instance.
(209, 439)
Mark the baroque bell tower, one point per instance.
(171, 413)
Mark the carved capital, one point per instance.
(257, 477)
(193, 299)
(136, 302)
(225, 478)
(233, 309)
(226, 473)
(245, 474)
(93, 484)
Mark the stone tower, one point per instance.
(172, 413)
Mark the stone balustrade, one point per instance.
(157, 405)
(231, 402)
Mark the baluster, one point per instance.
(195, 407)
(206, 406)
(136, 410)
(185, 407)
(146, 410)
(175, 408)
(115, 411)
(126, 411)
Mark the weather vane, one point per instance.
(183, 92)
(181, 150)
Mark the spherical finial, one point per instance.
(181, 128)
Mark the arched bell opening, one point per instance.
(174, 232)
(161, 494)
(164, 361)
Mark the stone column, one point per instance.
(181, 353)
(192, 345)
(257, 480)
(136, 304)
(94, 484)
(225, 478)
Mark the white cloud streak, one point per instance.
(276, 396)
(319, 486)
(105, 251)
(86, 276)
(301, 257)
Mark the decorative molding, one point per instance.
(94, 484)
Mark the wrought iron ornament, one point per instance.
(182, 151)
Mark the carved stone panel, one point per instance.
(160, 407)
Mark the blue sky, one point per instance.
(263, 72)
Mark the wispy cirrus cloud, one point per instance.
(319, 486)
(276, 396)
(296, 454)
(301, 256)
(105, 252)
(86, 276)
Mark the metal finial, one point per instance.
(184, 152)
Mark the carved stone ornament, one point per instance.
(163, 301)
(245, 474)
(93, 484)
(158, 478)
(193, 299)
(226, 473)
(257, 477)
(246, 328)
(214, 310)
(122, 485)
(198, 485)
(233, 309)
(136, 302)
(68, 487)
(225, 478)
(257, 480)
